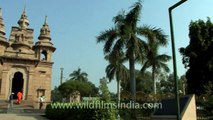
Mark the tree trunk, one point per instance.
(154, 82)
(118, 90)
(184, 89)
(132, 75)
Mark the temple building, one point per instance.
(24, 66)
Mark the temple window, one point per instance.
(44, 55)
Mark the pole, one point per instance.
(61, 79)
(174, 58)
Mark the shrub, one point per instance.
(79, 114)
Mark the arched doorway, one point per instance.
(17, 83)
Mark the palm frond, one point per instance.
(145, 66)
(160, 36)
(110, 72)
(146, 31)
(134, 14)
(119, 19)
(165, 67)
(103, 36)
(163, 58)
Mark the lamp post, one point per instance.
(174, 58)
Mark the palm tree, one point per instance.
(78, 75)
(116, 69)
(123, 38)
(156, 38)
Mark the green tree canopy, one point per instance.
(143, 82)
(85, 88)
(198, 56)
(78, 82)
(56, 95)
(166, 84)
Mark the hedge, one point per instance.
(79, 114)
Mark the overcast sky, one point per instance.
(74, 25)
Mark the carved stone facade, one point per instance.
(25, 66)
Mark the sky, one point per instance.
(75, 24)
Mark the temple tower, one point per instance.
(24, 66)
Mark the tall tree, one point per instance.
(116, 69)
(198, 56)
(124, 37)
(78, 75)
(154, 60)
(105, 94)
(183, 84)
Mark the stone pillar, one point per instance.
(30, 89)
(4, 85)
(48, 83)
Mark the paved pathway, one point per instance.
(21, 117)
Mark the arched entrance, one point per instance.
(17, 83)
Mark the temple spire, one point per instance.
(3, 40)
(45, 31)
(45, 22)
(44, 39)
(0, 13)
(2, 32)
(23, 21)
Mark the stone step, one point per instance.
(24, 104)
(26, 111)
(3, 110)
(25, 107)
(15, 111)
